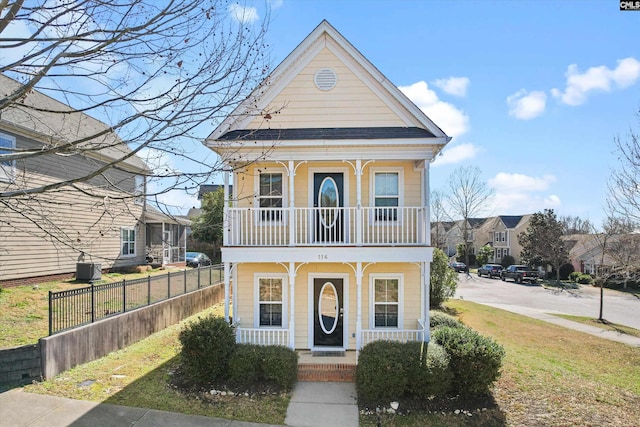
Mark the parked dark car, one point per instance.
(490, 270)
(519, 274)
(460, 267)
(197, 259)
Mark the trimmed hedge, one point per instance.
(244, 365)
(475, 359)
(279, 366)
(438, 318)
(207, 347)
(390, 370)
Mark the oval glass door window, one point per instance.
(328, 198)
(328, 308)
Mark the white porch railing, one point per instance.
(262, 336)
(398, 335)
(367, 226)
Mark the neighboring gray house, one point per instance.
(95, 221)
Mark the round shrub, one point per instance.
(475, 359)
(584, 279)
(279, 366)
(574, 276)
(207, 346)
(244, 365)
(380, 375)
(427, 372)
(438, 318)
(566, 270)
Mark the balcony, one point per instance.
(350, 226)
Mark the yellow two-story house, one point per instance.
(327, 234)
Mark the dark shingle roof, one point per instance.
(210, 188)
(510, 221)
(327, 133)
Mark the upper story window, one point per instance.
(7, 168)
(128, 241)
(500, 236)
(271, 195)
(386, 195)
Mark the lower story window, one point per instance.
(386, 302)
(128, 241)
(270, 301)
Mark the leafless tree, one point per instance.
(624, 184)
(438, 217)
(160, 74)
(468, 197)
(575, 225)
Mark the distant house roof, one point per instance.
(327, 133)
(153, 214)
(210, 188)
(476, 222)
(54, 123)
(510, 221)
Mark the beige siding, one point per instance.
(47, 233)
(410, 305)
(350, 104)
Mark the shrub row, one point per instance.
(458, 360)
(390, 370)
(583, 279)
(210, 355)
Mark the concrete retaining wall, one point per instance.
(67, 349)
(19, 365)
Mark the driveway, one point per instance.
(619, 307)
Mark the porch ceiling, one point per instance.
(328, 254)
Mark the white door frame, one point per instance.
(345, 306)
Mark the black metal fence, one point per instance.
(76, 307)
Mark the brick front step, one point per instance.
(334, 372)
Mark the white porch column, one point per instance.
(358, 202)
(292, 305)
(225, 210)
(234, 294)
(427, 210)
(426, 286)
(359, 275)
(292, 227)
(227, 279)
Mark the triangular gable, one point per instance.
(325, 45)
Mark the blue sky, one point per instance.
(533, 92)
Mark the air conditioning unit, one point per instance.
(88, 271)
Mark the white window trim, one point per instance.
(256, 299)
(372, 278)
(135, 242)
(11, 175)
(372, 194)
(285, 196)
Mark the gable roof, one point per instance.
(416, 125)
(45, 119)
(510, 221)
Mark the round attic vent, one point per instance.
(325, 79)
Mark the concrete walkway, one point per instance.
(312, 405)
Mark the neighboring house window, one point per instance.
(270, 304)
(7, 168)
(139, 189)
(128, 240)
(386, 194)
(271, 196)
(500, 236)
(387, 296)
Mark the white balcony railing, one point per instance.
(326, 226)
(398, 335)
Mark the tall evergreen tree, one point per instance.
(542, 242)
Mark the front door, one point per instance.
(328, 198)
(328, 313)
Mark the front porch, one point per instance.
(331, 367)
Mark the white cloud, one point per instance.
(451, 120)
(602, 78)
(456, 154)
(518, 193)
(275, 3)
(526, 105)
(456, 86)
(242, 14)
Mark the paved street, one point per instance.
(619, 307)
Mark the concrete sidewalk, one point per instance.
(312, 405)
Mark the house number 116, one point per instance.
(323, 256)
